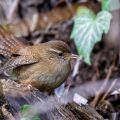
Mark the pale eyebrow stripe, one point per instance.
(54, 50)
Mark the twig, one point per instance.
(34, 23)
(76, 68)
(40, 39)
(98, 94)
(69, 6)
(12, 11)
(97, 73)
(81, 1)
(41, 32)
(108, 91)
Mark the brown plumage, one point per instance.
(45, 66)
(8, 43)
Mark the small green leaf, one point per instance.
(88, 29)
(106, 5)
(84, 10)
(34, 118)
(25, 108)
(25, 116)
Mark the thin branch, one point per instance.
(41, 38)
(98, 94)
(12, 11)
(108, 91)
(76, 68)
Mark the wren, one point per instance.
(45, 66)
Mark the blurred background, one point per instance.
(37, 21)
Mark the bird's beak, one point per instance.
(74, 56)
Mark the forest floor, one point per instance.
(37, 21)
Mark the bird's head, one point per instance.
(59, 51)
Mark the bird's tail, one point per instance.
(8, 42)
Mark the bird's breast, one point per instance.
(56, 77)
(43, 75)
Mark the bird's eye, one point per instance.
(60, 54)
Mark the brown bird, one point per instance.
(44, 66)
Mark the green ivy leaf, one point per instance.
(88, 29)
(106, 5)
(24, 109)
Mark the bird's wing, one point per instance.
(8, 42)
(18, 61)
